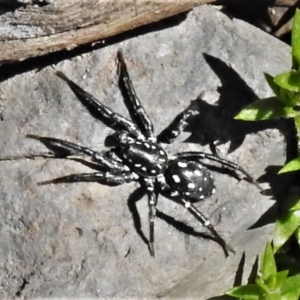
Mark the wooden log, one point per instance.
(37, 30)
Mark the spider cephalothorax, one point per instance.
(137, 155)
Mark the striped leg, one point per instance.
(152, 202)
(108, 178)
(224, 162)
(169, 134)
(64, 149)
(99, 110)
(136, 196)
(205, 222)
(165, 189)
(132, 101)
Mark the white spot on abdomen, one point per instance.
(197, 172)
(176, 178)
(182, 164)
(191, 185)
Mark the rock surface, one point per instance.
(78, 240)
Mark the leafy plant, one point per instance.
(285, 104)
(269, 284)
(287, 224)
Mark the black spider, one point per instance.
(137, 155)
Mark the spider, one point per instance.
(136, 154)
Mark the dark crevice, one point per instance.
(21, 288)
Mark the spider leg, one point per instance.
(107, 178)
(152, 202)
(27, 156)
(227, 163)
(169, 134)
(132, 101)
(196, 213)
(205, 222)
(65, 148)
(99, 110)
(136, 196)
(112, 155)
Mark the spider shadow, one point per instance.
(217, 124)
(239, 276)
(281, 191)
(182, 227)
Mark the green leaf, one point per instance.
(265, 109)
(268, 265)
(270, 80)
(285, 227)
(280, 279)
(261, 283)
(291, 283)
(274, 296)
(297, 125)
(287, 97)
(293, 295)
(293, 165)
(296, 40)
(297, 234)
(271, 282)
(289, 81)
(248, 292)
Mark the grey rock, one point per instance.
(78, 240)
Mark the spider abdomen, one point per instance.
(146, 158)
(190, 179)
